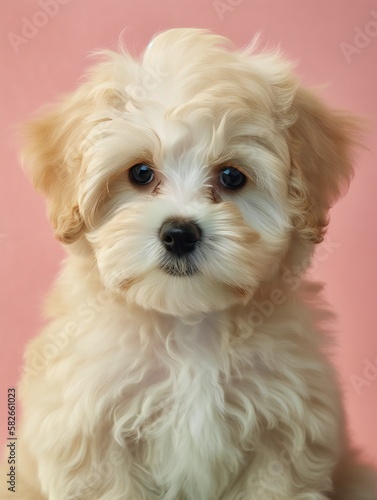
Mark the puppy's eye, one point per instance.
(141, 173)
(232, 178)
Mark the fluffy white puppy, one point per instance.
(184, 358)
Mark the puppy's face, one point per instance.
(190, 218)
(191, 175)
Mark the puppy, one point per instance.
(184, 355)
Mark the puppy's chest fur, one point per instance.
(186, 424)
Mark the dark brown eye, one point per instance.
(141, 173)
(232, 178)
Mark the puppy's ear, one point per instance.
(49, 155)
(321, 143)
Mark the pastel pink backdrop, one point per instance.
(312, 32)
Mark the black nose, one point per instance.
(180, 237)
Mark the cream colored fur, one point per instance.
(213, 386)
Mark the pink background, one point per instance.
(312, 33)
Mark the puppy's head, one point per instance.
(192, 174)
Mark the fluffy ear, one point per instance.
(321, 143)
(50, 157)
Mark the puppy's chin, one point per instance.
(175, 292)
